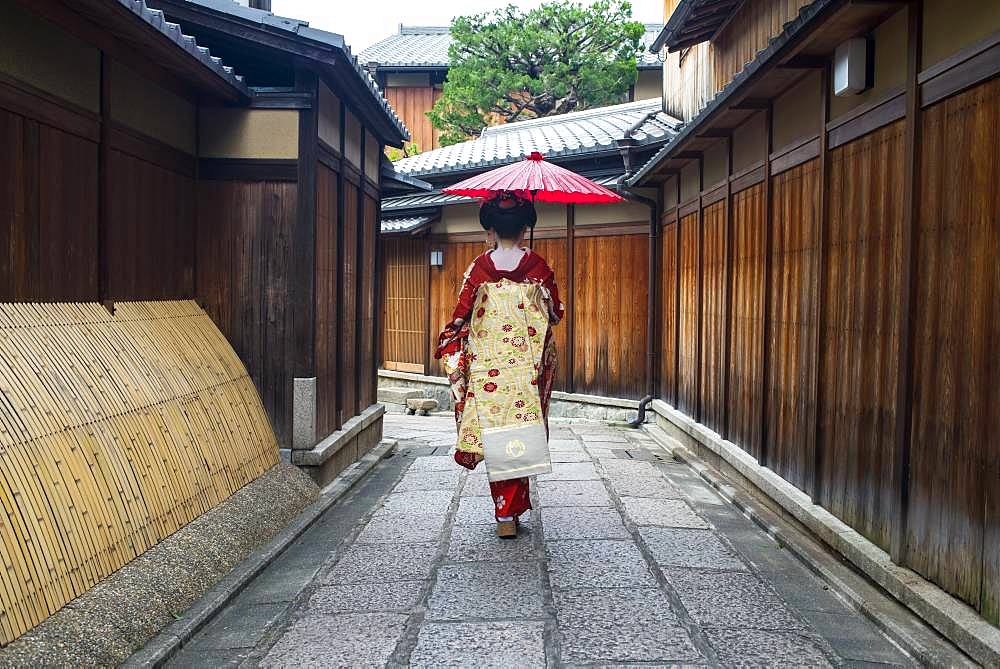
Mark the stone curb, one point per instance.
(953, 619)
(171, 639)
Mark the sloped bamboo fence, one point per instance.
(115, 431)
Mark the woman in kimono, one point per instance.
(498, 349)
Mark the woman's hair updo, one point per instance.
(508, 214)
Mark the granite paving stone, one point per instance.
(571, 471)
(731, 600)
(372, 563)
(662, 512)
(475, 543)
(487, 590)
(582, 523)
(597, 564)
(760, 648)
(629, 559)
(352, 640)
(389, 596)
(699, 549)
(573, 493)
(499, 645)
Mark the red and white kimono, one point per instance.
(510, 496)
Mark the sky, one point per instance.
(364, 22)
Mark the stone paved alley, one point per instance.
(628, 557)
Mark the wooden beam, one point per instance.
(814, 473)
(727, 279)
(804, 63)
(677, 300)
(303, 271)
(765, 353)
(104, 185)
(751, 104)
(908, 286)
(339, 307)
(715, 132)
(699, 339)
(571, 297)
(427, 306)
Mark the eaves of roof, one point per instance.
(406, 225)
(795, 28)
(298, 38)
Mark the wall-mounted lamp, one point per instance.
(437, 258)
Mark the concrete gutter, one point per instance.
(954, 619)
(158, 651)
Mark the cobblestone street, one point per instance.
(628, 557)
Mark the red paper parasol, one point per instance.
(545, 181)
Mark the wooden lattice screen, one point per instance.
(404, 334)
(115, 431)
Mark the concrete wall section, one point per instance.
(689, 182)
(152, 110)
(352, 139)
(795, 113)
(329, 116)
(890, 65)
(716, 158)
(952, 25)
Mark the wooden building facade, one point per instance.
(829, 292)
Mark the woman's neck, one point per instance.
(507, 244)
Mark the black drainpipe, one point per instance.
(625, 146)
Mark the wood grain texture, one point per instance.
(327, 300)
(242, 266)
(688, 345)
(953, 510)
(610, 306)
(155, 423)
(746, 356)
(668, 311)
(48, 213)
(446, 283)
(790, 404)
(555, 253)
(349, 313)
(407, 273)
(412, 104)
(366, 307)
(859, 366)
(713, 315)
(151, 230)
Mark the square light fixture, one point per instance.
(437, 258)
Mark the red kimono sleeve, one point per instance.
(466, 298)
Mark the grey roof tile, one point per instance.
(303, 30)
(156, 20)
(405, 224)
(427, 47)
(574, 134)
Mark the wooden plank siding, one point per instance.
(687, 400)
(243, 261)
(366, 308)
(791, 365)
(713, 315)
(954, 512)
(610, 306)
(445, 284)
(745, 392)
(348, 365)
(668, 311)
(412, 104)
(555, 253)
(859, 366)
(48, 191)
(407, 291)
(327, 300)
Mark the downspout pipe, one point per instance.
(654, 225)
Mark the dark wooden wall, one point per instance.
(243, 266)
(327, 299)
(814, 389)
(367, 365)
(349, 304)
(48, 211)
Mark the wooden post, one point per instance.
(814, 474)
(303, 270)
(570, 299)
(359, 246)
(339, 307)
(677, 299)
(104, 188)
(727, 326)
(908, 286)
(700, 299)
(428, 336)
(768, 263)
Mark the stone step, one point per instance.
(393, 395)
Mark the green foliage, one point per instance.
(511, 65)
(409, 149)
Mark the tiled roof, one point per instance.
(807, 14)
(427, 47)
(302, 30)
(406, 224)
(575, 134)
(156, 19)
